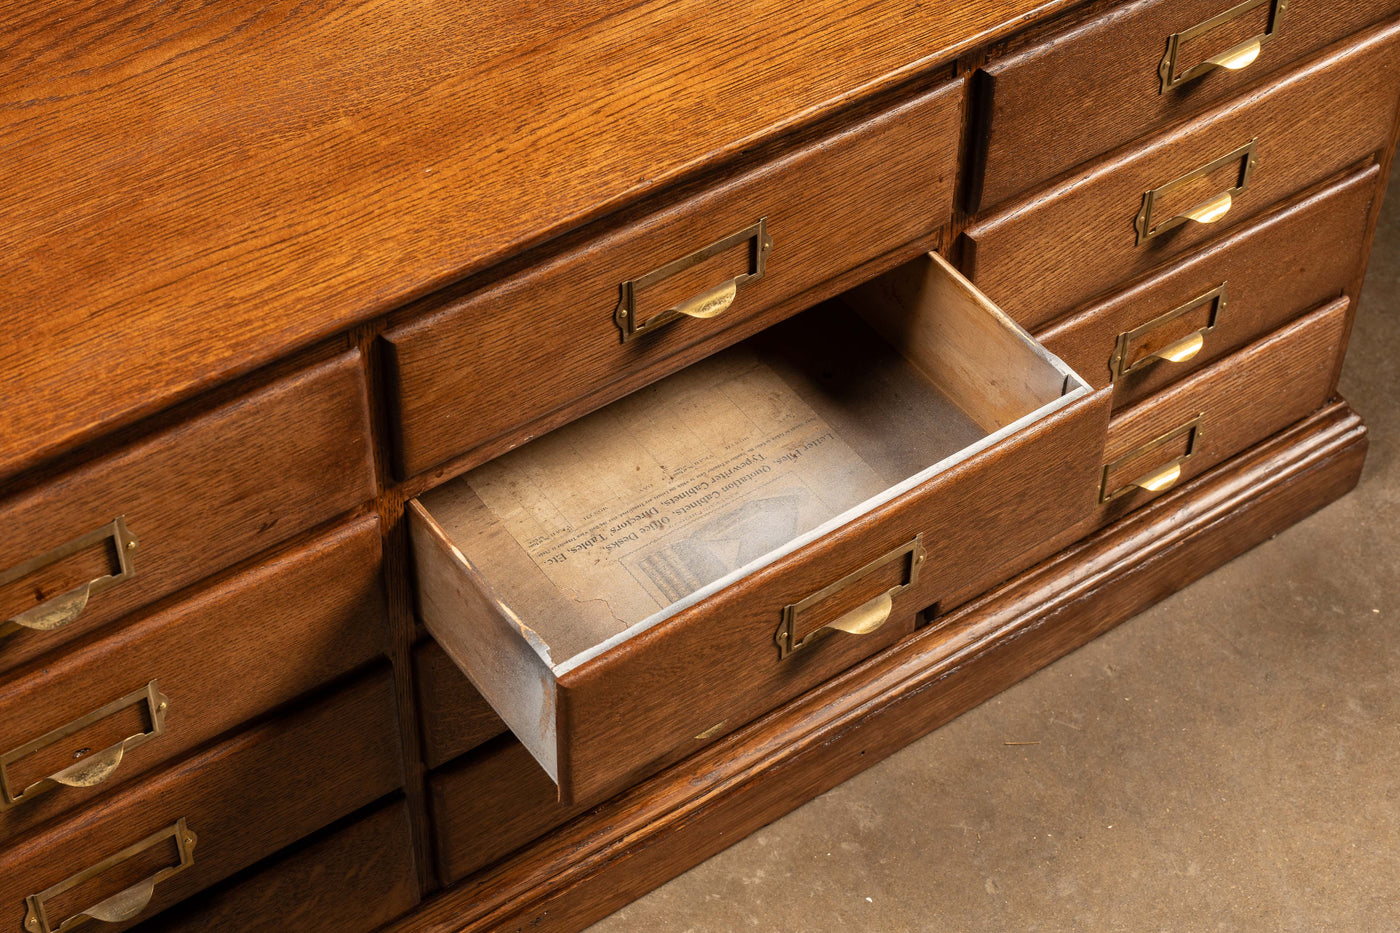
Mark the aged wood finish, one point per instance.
(686, 680)
(490, 804)
(1242, 400)
(198, 496)
(335, 254)
(1290, 262)
(1084, 228)
(224, 655)
(351, 880)
(524, 348)
(244, 798)
(1074, 95)
(659, 829)
(688, 676)
(375, 175)
(455, 718)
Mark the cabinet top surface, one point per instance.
(191, 192)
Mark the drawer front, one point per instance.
(352, 881)
(110, 710)
(504, 358)
(208, 816)
(489, 805)
(1222, 410)
(191, 500)
(714, 667)
(1222, 298)
(1107, 76)
(454, 717)
(1121, 218)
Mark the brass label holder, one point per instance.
(92, 769)
(1234, 58)
(862, 620)
(1158, 478)
(123, 905)
(1179, 351)
(710, 303)
(1207, 211)
(59, 611)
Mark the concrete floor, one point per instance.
(1228, 760)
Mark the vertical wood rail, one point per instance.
(398, 600)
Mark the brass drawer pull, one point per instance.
(862, 620)
(1158, 478)
(1204, 212)
(711, 302)
(1236, 57)
(92, 769)
(1128, 357)
(59, 611)
(124, 904)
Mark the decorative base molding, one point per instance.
(648, 835)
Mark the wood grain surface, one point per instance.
(244, 799)
(453, 717)
(1241, 399)
(191, 193)
(1041, 258)
(648, 835)
(688, 680)
(489, 804)
(199, 496)
(1081, 92)
(538, 341)
(223, 656)
(351, 880)
(1290, 262)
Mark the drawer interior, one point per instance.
(596, 532)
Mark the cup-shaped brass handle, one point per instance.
(633, 320)
(869, 616)
(63, 609)
(126, 903)
(1155, 466)
(1237, 167)
(1235, 57)
(92, 769)
(1175, 337)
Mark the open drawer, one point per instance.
(656, 574)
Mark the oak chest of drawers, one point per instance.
(464, 467)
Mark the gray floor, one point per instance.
(1229, 760)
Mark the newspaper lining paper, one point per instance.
(659, 495)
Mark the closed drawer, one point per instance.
(350, 880)
(117, 707)
(490, 804)
(454, 717)
(538, 342)
(1225, 408)
(138, 524)
(160, 840)
(1229, 294)
(1091, 88)
(1119, 219)
(655, 575)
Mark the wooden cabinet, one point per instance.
(462, 489)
